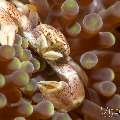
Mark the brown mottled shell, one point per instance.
(55, 38)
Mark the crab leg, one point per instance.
(29, 10)
(8, 28)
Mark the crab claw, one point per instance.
(48, 41)
(15, 14)
(56, 40)
(66, 94)
(56, 92)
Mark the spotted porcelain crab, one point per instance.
(51, 44)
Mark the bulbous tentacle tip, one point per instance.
(47, 87)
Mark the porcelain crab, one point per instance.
(51, 44)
